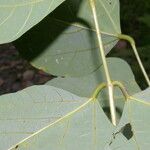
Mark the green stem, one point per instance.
(98, 89)
(104, 85)
(132, 42)
(101, 48)
(122, 88)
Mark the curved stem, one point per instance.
(132, 42)
(122, 88)
(98, 89)
(101, 48)
(104, 85)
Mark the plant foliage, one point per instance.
(17, 17)
(70, 111)
(68, 38)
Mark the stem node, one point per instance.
(133, 45)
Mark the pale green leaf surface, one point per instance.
(18, 16)
(130, 145)
(66, 42)
(84, 86)
(86, 129)
(89, 129)
(137, 113)
(25, 112)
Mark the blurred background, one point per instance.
(16, 73)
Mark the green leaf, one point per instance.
(25, 112)
(17, 17)
(84, 86)
(87, 128)
(136, 113)
(130, 145)
(65, 43)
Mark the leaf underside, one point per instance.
(85, 86)
(136, 113)
(45, 117)
(65, 43)
(88, 128)
(25, 112)
(17, 17)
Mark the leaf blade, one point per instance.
(25, 112)
(70, 41)
(13, 25)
